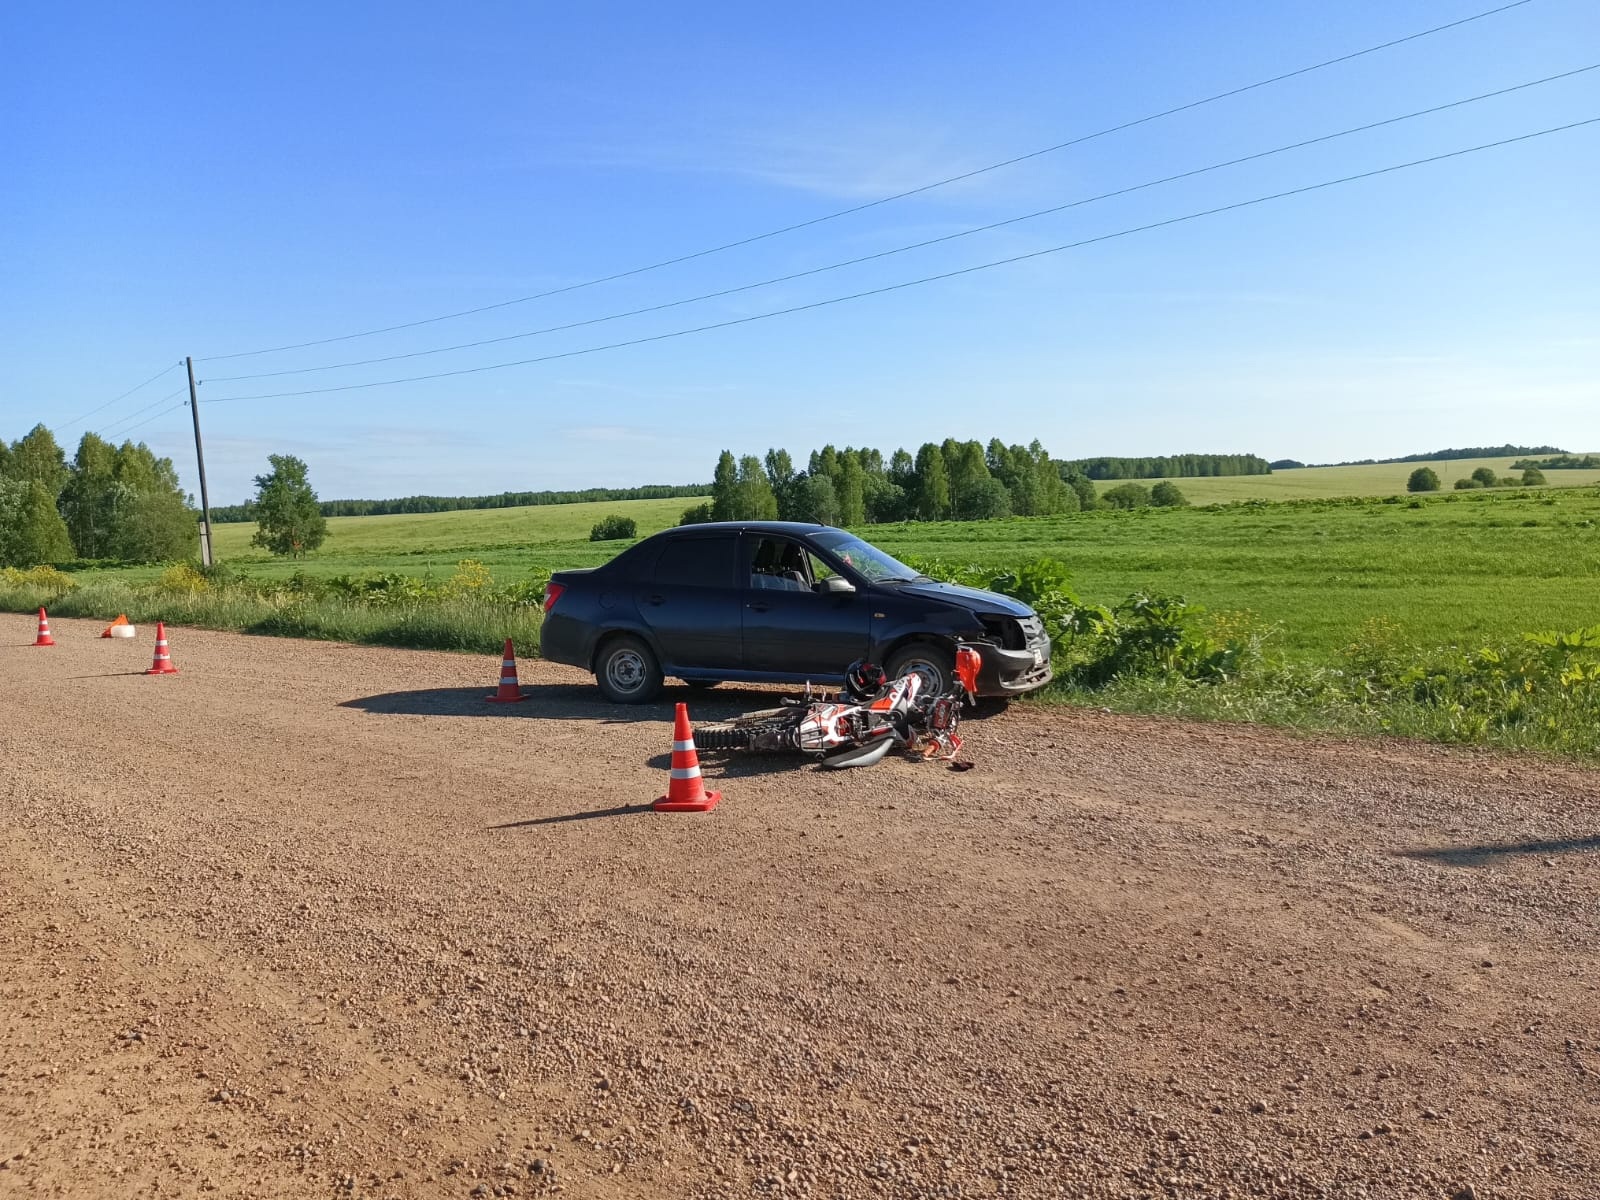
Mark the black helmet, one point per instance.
(864, 680)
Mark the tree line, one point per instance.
(109, 502)
(1506, 451)
(1559, 462)
(961, 481)
(1170, 466)
(235, 513)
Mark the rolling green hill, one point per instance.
(1316, 483)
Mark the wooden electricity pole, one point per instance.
(200, 457)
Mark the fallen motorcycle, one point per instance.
(854, 730)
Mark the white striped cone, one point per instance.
(509, 691)
(44, 638)
(163, 660)
(686, 790)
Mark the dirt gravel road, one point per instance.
(313, 920)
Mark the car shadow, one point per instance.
(1489, 853)
(560, 701)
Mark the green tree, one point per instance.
(930, 498)
(1167, 494)
(985, 499)
(90, 499)
(1127, 495)
(817, 501)
(1082, 487)
(1486, 477)
(1423, 479)
(781, 477)
(36, 456)
(698, 515)
(31, 530)
(851, 487)
(725, 488)
(1532, 477)
(754, 499)
(288, 520)
(902, 471)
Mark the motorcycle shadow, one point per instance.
(740, 766)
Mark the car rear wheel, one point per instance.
(933, 662)
(627, 671)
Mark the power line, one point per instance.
(169, 396)
(162, 413)
(72, 424)
(895, 287)
(870, 204)
(949, 237)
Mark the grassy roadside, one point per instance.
(462, 621)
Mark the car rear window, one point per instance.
(696, 562)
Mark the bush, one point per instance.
(698, 515)
(1532, 477)
(1167, 494)
(183, 578)
(1423, 479)
(1463, 485)
(1127, 495)
(611, 528)
(1486, 477)
(46, 579)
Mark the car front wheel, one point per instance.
(933, 662)
(627, 671)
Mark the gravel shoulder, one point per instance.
(315, 919)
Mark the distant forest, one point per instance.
(1560, 462)
(1168, 466)
(234, 513)
(1505, 451)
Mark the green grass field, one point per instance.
(1319, 483)
(1461, 568)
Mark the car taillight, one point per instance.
(552, 593)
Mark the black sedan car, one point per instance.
(778, 602)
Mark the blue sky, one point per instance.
(211, 179)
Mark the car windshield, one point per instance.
(864, 559)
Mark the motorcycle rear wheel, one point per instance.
(741, 734)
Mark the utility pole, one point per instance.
(200, 457)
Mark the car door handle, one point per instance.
(657, 600)
(756, 607)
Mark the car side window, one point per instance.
(696, 562)
(778, 565)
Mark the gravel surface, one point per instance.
(312, 919)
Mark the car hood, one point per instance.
(973, 599)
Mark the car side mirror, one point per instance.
(838, 585)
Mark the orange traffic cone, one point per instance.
(44, 638)
(509, 691)
(163, 663)
(122, 619)
(687, 791)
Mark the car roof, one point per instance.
(793, 528)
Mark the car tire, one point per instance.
(627, 671)
(702, 684)
(932, 661)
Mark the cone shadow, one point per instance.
(623, 810)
